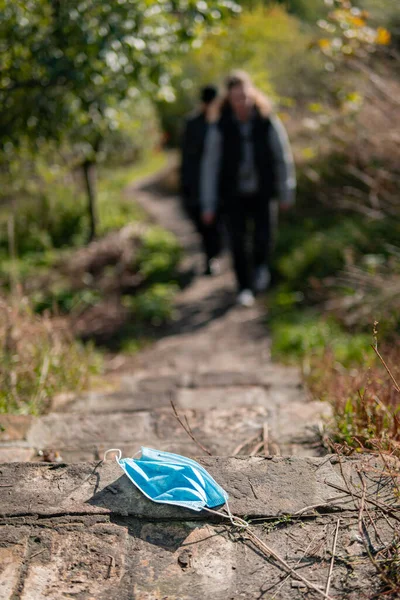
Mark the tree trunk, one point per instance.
(89, 173)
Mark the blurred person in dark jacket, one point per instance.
(192, 152)
(247, 163)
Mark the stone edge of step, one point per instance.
(257, 486)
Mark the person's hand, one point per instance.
(208, 218)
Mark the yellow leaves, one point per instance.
(324, 44)
(383, 37)
(354, 97)
(357, 21)
(287, 102)
(353, 33)
(308, 153)
(315, 107)
(352, 102)
(284, 117)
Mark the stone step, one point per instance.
(85, 531)
(143, 391)
(257, 487)
(199, 397)
(290, 429)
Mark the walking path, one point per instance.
(79, 529)
(214, 363)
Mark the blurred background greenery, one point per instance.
(94, 93)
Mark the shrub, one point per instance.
(52, 219)
(135, 135)
(159, 256)
(61, 299)
(154, 305)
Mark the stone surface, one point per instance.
(256, 486)
(84, 531)
(14, 427)
(16, 454)
(80, 529)
(221, 419)
(95, 560)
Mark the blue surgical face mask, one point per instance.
(173, 479)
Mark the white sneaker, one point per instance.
(246, 298)
(262, 279)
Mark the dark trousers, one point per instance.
(250, 223)
(210, 234)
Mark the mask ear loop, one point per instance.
(117, 458)
(236, 521)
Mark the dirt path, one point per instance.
(84, 531)
(213, 362)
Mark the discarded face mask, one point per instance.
(172, 479)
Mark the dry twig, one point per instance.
(188, 429)
(265, 437)
(257, 448)
(328, 583)
(270, 552)
(386, 509)
(253, 438)
(396, 385)
(282, 583)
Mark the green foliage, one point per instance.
(115, 208)
(68, 71)
(302, 336)
(265, 41)
(56, 218)
(38, 361)
(157, 262)
(321, 253)
(307, 10)
(60, 298)
(51, 220)
(320, 237)
(63, 66)
(154, 305)
(159, 256)
(134, 134)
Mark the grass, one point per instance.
(364, 399)
(38, 360)
(53, 279)
(49, 224)
(159, 255)
(115, 210)
(304, 336)
(154, 305)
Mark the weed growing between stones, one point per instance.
(387, 562)
(365, 402)
(383, 556)
(364, 539)
(282, 522)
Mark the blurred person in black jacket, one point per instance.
(192, 152)
(247, 166)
